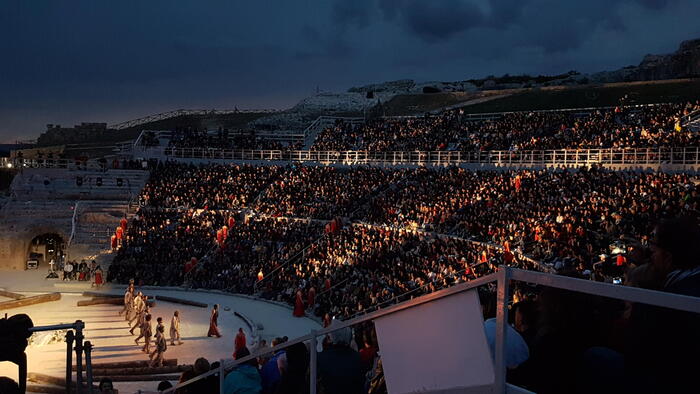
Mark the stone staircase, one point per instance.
(15, 215)
(83, 207)
(57, 183)
(95, 224)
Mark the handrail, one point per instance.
(79, 348)
(502, 277)
(436, 234)
(138, 139)
(290, 260)
(347, 323)
(73, 225)
(311, 126)
(687, 155)
(493, 114)
(55, 327)
(298, 254)
(691, 117)
(73, 165)
(627, 293)
(184, 112)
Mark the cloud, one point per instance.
(350, 13)
(433, 20)
(655, 4)
(112, 61)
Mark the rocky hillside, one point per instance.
(684, 63)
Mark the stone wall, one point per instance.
(18, 235)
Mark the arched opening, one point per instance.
(44, 249)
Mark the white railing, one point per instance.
(496, 115)
(92, 165)
(502, 278)
(566, 157)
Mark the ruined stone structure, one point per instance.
(81, 207)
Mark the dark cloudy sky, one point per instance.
(91, 60)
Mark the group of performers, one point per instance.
(299, 307)
(137, 312)
(239, 341)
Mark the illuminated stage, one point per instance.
(109, 333)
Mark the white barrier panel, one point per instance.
(438, 347)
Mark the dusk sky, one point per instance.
(110, 61)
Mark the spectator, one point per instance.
(516, 352)
(270, 371)
(8, 386)
(662, 344)
(190, 388)
(206, 385)
(164, 385)
(106, 386)
(340, 367)
(245, 378)
(294, 375)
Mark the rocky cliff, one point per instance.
(684, 63)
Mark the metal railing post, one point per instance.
(503, 277)
(79, 354)
(222, 372)
(313, 363)
(88, 365)
(70, 337)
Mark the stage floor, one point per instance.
(109, 333)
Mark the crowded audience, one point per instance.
(620, 127)
(324, 192)
(177, 185)
(336, 242)
(340, 241)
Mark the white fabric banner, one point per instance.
(438, 347)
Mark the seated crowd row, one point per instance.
(619, 127)
(624, 126)
(558, 340)
(342, 241)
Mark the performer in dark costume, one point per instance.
(213, 322)
(299, 305)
